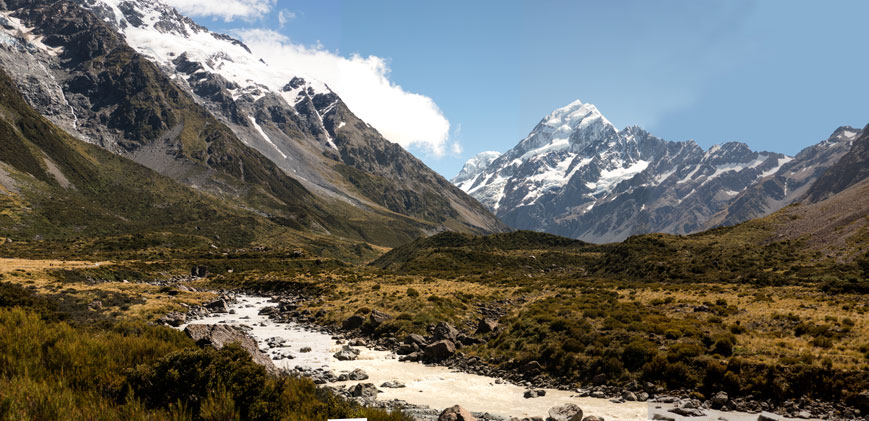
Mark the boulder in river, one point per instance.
(217, 306)
(392, 384)
(720, 399)
(364, 390)
(440, 350)
(763, 417)
(566, 412)
(217, 336)
(346, 354)
(357, 374)
(456, 413)
(352, 322)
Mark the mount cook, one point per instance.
(578, 176)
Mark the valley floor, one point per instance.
(790, 349)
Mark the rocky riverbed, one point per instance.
(376, 376)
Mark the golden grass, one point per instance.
(768, 338)
(34, 273)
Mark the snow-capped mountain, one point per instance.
(140, 79)
(474, 167)
(577, 175)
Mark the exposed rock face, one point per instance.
(217, 336)
(456, 413)
(576, 175)
(848, 171)
(566, 412)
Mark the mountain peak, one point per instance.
(573, 116)
(474, 166)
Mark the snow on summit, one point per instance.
(159, 32)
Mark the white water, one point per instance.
(433, 386)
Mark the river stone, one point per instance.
(592, 418)
(440, 350)
(217, 306)
(352, 322)
(445, 331)
(357, 374)
(688, 412)
(660, 417)
(763, 417)
(217, 336)
(392, 384)
(456, 413)
(566, 412)
(720, 399)
(174, 319)
(268, 311)
(486, 325)
(364, 390)
(346, 354)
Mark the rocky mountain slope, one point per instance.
(141, 80)
(55, 186)
(577, 175)
(848, 171)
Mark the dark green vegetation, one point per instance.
(57, 363)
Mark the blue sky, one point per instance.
(777, 75)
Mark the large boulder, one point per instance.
(413, 338)
(346, 354)
(217, 306)
(352, 322)
(219, 335)
(720, 399)
(445, 331)
(486, 325)
(364, 390)
(440, 350)
(456, 413)
(376, 318)
(566, 412)
(357, 374)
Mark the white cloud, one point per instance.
(409, 119)
(285, 16)
(227, 10)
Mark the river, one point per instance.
(429, 385)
